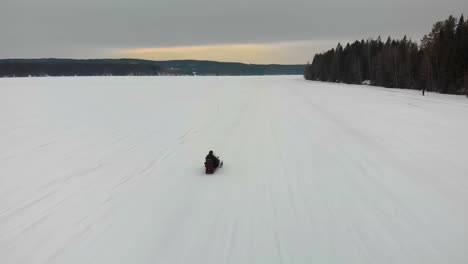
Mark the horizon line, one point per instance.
(138, 59)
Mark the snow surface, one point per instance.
(110, 170)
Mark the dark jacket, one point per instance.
(213, 158)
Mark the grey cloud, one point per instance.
(34, 28)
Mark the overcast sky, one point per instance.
(257, 31)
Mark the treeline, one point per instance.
(120, 67)
(439, 63)
(25, 68)
(197, 67)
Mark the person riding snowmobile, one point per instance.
(213, 158)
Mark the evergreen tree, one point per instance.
(439, 63)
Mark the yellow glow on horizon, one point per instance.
(248, 53)
(281, 53)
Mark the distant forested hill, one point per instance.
(439, 63)
(121, 67)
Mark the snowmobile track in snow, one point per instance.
(110, 170)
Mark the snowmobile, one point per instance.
(211, 166)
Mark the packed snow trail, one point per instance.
(110, 170)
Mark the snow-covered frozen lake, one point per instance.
(110, 170)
